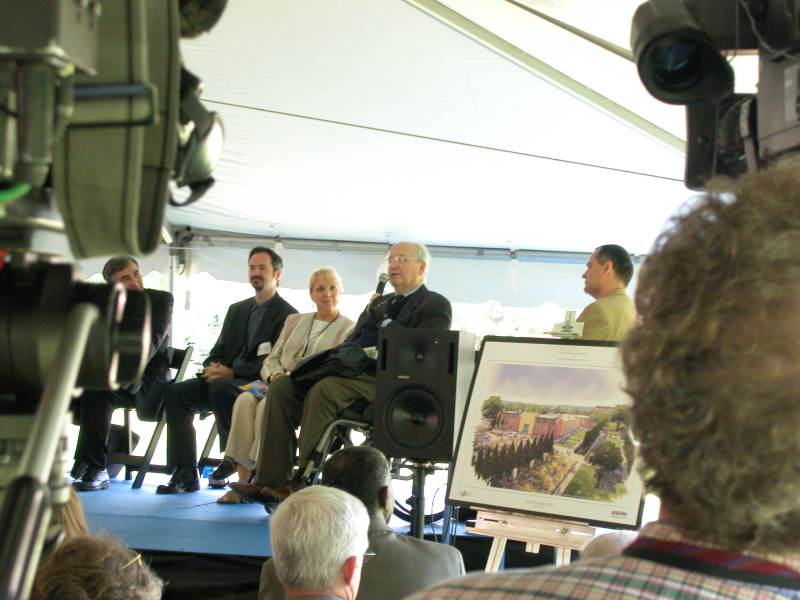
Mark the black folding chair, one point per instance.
(179, 361)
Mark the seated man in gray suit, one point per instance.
(402, 564)
(412, 305)
(611, 315)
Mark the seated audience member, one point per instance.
(90, 471)
(402, 564)
(302, 335)
(612, 314)
(319, 539)
(95, 568)
(412, 305)
(715, 387)
(250, 329)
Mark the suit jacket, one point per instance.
(286, 352)
(608, 318)
(233, 337)
(424, 309)
(156, 373)
(401, 566)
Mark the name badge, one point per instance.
(264, 349)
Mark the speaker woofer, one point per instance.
(414, 417)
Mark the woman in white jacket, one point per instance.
(302, 335)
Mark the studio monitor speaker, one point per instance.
(422, 381)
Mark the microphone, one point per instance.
(382, 279)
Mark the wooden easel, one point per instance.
(564, 536)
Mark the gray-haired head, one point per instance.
(313, 533)
(421, 252)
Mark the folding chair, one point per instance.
(179, 360)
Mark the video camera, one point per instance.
(98, 119)
(682, 50)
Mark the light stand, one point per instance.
(420, 470)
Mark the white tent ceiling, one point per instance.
(373, 121)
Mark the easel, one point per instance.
(564, 536)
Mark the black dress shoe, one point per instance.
(94, 479)
(184, 479)
(219, 478)
(78, 471)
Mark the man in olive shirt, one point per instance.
(611, 315)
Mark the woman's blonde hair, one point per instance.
(72, 518)
(328, 273)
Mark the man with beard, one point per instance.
(250, 329)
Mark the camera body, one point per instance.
(682, 48)
(97, 118)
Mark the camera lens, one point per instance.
(676, 65)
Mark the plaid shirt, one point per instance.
(617, 578)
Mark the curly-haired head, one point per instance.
(93, 567)
(714, 366)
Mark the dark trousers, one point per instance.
(182, 400)
(94, 417)
(286, 409)
(93, 412)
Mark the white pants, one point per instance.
(244, 439)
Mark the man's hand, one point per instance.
(217, 371)
(377, 309)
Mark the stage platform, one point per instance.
(189, 523)
(204, 550)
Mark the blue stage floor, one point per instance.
(192, 523)
(189, 523)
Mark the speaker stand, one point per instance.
(420, 471)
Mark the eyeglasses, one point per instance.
(400, 260)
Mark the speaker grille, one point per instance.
(414, 417)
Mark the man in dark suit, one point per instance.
(250, 329)
(411, 305)
(96, 407)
